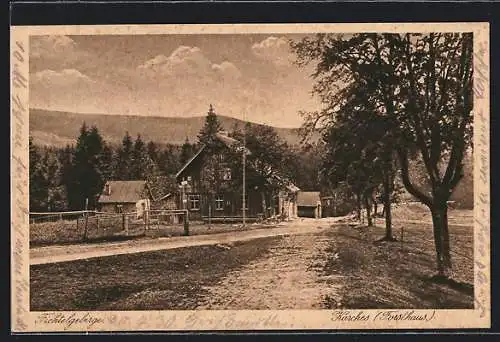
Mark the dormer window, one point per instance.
(107, 189)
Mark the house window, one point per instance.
(194, 202)
(119, 208)
(225, 174)
(219, 202)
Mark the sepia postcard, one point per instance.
(232, 177)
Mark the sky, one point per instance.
(248, 76)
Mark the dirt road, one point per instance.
(53, 254)
(288, 277)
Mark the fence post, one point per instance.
(402, 236)
(186, 223)
(124, 226)
(86, 226)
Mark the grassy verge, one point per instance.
(199, 228)
(418, 211)
(172, 279)
(69, 232)
(398, 275)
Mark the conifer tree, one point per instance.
(66, 160)
(153, 151)
(186, 151)
(88, 182)
(211, 127)
(142, 165)
(38, 184)
(170, 160)
(124, 159)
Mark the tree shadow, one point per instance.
(459, 286)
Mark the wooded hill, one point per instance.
(54, 128)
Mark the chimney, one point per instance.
(107, 189)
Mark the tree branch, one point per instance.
(403, 159)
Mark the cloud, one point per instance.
(65, 77)
(184, 60)
(68, 89)
(188, 62)
(273, 49)
(227, 70)
(58, 52)
(51, 46)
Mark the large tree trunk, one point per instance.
(358, 206)
(439, 211)
(387, 208)
(368, 210)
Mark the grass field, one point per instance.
(418, 211)
(172, 279)
(394, 275)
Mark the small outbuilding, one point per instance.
(309, 204)
(123, 196)
(139, 195)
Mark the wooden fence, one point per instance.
(87, 225)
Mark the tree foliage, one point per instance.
(87, 179)
(38, 182)
(62, 178)
(187, 151)
(269, 161)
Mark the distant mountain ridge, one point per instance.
(56, 128)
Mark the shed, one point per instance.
(122, 196)
(309, 204)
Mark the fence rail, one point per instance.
(89, 225)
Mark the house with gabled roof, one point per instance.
(122, 196)
(159, 192)
(211, 185)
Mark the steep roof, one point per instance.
(124, 192)
(222, 137)
(190, 161)
(308, 198)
